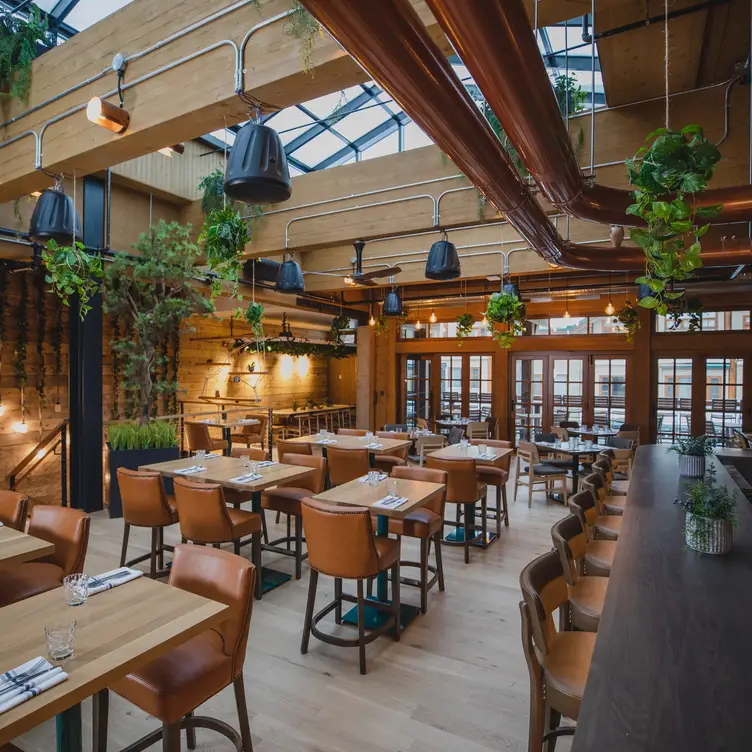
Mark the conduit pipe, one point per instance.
(496, 43)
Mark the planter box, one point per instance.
(691, 466)
(132, 459)
(708, 536)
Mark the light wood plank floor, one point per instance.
(456, 682)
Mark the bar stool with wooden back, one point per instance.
(254, 433)
(351, 431)
(197, 437)
(293, 447)
(346, 464)
(286, 498)
(598, 481)
(68, 530)
(476, 430)
(602, 525)
(392, 458)
(342, 545)
(613, 487)
(145, 504)
(537, 472)
(599, 553)
(426, 525)
(558, 661)
(206, 519)
(174, 685)
(14, 508)
(497, 477)
(586, 593)
(465, 490)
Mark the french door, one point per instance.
(529, 396)
(417, 388)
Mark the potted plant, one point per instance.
(381, 326)
(254, 316)
(295, 406)
(223, 237)
(507, 309)
(465, 323)
(71, 271)
(710, 516)
(629, 320)
(340, 324)
(692, 453)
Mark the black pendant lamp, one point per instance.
(392, 304)
(443, 262)
(290, 278)
(54, 218)
(644, 291)
(257, 171)
(510, 288)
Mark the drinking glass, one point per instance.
(373, 477)
(200, 455)
(76, 589)
(391, 485)
(254, 465)
(61, 637)
(245, 461)
(482, 449)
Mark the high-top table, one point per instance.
(16, 547)
(351, 442)
(226, 425)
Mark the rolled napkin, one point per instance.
(27, 681)
(266, 463)
(247, 478)
(212, 455)
(364, 479)
(391, 502)
(111, 579)
(190, 470)
(326, 441)
(487, 456)
(374, 445)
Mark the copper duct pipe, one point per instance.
(497, 44)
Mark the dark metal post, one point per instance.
(64, 463)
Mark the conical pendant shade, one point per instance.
(644, 291)
(257, 171)
(54, 218)
(290, 278)
(443, 262)
(392, 304)
(511, 289)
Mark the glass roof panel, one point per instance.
(45, 5)
(414, 136)
(330, 103)
(88, 12)
(360, 122)
(318, 148)
(387, 145)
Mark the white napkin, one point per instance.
(374, 445)
(27, 681)
(487, 456)
(248, 420)
(266, 463)
(364, 479)
(111, 579)
(190, 470)
(247, 478)
(212, 455)
(391, 502)
(326, 441)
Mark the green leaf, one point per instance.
(708, 212)
(692, 129)
(656, 132)
(634, 209)
(692, 183)
(700, 231)
(682, 226)
(649, 302)
(656, 285)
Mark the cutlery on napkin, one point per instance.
(364, 479)
(391, 502)
(111, 579)
(27, 681)
(190, 470)
(247, 478)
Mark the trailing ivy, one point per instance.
(212, 188)
(381, 326)
(508, 310)
(465, 323)
(340, 324)
(305, 28)
(223, 238)
(299, 348)
(254, 316)
(22, 318)
(41, 331)
(629, 320)
(72, 271)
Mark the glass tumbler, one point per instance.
(76, 589)
(61, 637)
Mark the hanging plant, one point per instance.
(212, 188)
(224, 237)
(340, 324)
(19, 360)
(254, 316)
(465, 323)
(73, 272)
(305, 28)
(41, 327)
(673, 164)
(629, 320)
(381, 326)
(115, 370)
(299, 348)
(506, 308)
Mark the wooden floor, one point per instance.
(457, 681)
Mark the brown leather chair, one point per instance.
(14, 508)
(558, 661)
(496, 476)
(352, 431)
(197, 437)
(393, 457)
(254, 433)
(253, 453)
(341, 544)
(145, 504)
(586, 594)
(426, 525)
(346, 464)
(68, 530)
(293, 447)
(285, 498)
(599, 554)
(465, 490)
(171, 687)
(602, 525)
(205, 518)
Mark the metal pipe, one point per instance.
(726, 107)
(592, 92)
(13, 140)
(437, 214)
(240, 70)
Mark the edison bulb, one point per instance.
(610, 309)
(432, 318)
(418, 325)
(567, 315)
(484, 321)
(372, 321)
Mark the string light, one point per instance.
(432, 318)
(567, 315)
(418, 325)
(484, 321)
(20, 427)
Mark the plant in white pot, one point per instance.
(710, 516)
(692, 452)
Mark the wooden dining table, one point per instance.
(17, 547)
(226, 425)
(339, 441)
(117, 631)
(574, 449)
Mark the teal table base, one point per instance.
(458, 536)
(376, 617)
(272, 578)
(68, 728)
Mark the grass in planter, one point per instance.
(160, 434)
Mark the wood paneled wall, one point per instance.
(343, 376)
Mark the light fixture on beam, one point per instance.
(432, 317)
(108, 115)
(168, 151)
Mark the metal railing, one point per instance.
(49, 444)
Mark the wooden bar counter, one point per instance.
(672, 668)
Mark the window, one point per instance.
(417, 389)
(480, 387)
(408, 331)
(568, 384)
(710, 321)
(723, 397)
(451, 385)
(528, 397)
(536, 327)
(609, 392)
(572, 325)
(674, 399)
(604, 325)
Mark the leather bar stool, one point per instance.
(68, 530)
(352, 432)
(495, 476)
(293, 447)
(254, 433)
(558, 661)
(197, 437)
(599, 554)
(341, 544)
(206, 519)
(586, 594)
(612, 504)
(145, 504)
(346, 464)
(392, 458)
(285, 498)
(465, 490)
(425, 524)
(605, 526)
(14, 508)
(174, 685)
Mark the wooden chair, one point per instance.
(424, 445)
(597, 482)
(351, 432)
(613, 487)
(253, 434)
(561, 433)
(599, 554)
(197, 437)
(14, 509)
(346, 464)
(477, 430)
(493, 424)
(537, 473)
(293, 447)
(388, 460)
(253, 453)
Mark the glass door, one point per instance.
(568, 390)
(609, 392)
(724, 378)
(417, 388)
(674, 399)
(480, 396)
(450, 372)
(528, 405)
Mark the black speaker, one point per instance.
(511, 289)
(392, 304)
(54, 218)
(290, 278)
(443, 262)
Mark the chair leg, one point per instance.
(506, 505)
(537, 719)
(466, 529)
(553, 719)
(424, 575)
(361, 628)
(124, 550)
(484, 520)
(309, 610)
(153, 557)
(236, 546)
(530, 493)
(245, 726)
(100, 713)
(160, 552)
(171, 737)
(289, 531)
(298, 546)
(396, 598)
(338, 600)
(498, 510)
(256, 558)
(190, 733)
(516, 486)
(439, 561)
(264, 529)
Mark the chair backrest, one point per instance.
(477, 430)
(629, 427)
(528, 452)
(427, 475)
(570, 541)
(620, 442)
(14, 508)
(534, 667)
(293, 447)
(421, 423)
(340, 540)
(253, 453)
(225, 578)
(427, 444)
(313, 482)
(462, 482)
(606, 470)
(546, 437)
(492, 423)
(144, 498)
(561, 433)
(352, 431)
(582, 505)
(202, 511)
(256, 429)
(399, 427)
(346, 464)
(67, 529)
(544, 590)
(455, 434)
(506, 460)
(197, 437)
(399, 451)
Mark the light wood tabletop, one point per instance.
(117, 632)
(352, 442)
(456, 452)
(222, 469)
(227, 422)
(16, 547)
(288, 412)
(357, 494)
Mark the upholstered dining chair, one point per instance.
(14, 509)
(597, 482)
(173, 686)
(293, 447)
(352, 431)
(197, 437)
(496, 476)
(536, 472)
(253, 433)
(599, 553)
(387, 461)
(361, 556)
(253, 453)
(68, 530)
(346, 464)
(145, 504)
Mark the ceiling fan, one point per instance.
(366, 279)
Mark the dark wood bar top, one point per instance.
(672, 668)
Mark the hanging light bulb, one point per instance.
(484, 321)
(567, 315)
(418, 325)
(372, 321)
(432, 317)
(20, 427)
(2, 409)
(610, 310)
